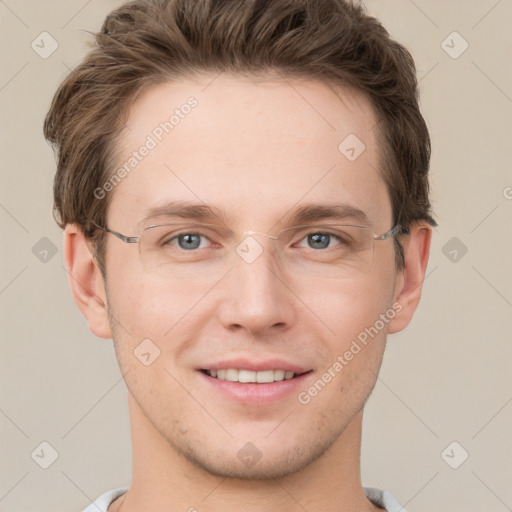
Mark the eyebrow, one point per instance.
(305, 213)
(184, 210)
(333, 212)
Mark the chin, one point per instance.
(253, 463)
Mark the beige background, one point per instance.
(446, 378)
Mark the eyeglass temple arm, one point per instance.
(392, 232)
(124, 238)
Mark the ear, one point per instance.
(86, 281)
(409, 282)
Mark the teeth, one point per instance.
(280, 374)
(232, 375)
(264, 376)
(246, 376)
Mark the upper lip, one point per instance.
(253, 365)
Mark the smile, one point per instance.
(246, 376)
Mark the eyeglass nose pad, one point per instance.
(259, 233)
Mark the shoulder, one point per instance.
(102, 503)
(383, 499)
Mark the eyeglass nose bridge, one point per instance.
(260, 233)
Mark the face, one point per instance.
(254, 153)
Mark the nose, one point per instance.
(256, 296)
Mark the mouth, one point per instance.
(255, 382)
(252, 377)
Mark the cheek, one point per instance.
(149, 305)
(353, 345)
(159, 317)
(354, 317)
(346, 307)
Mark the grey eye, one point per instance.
(319, 240)
(189, 241)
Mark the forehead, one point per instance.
(251, 148)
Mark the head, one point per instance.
(243, 109)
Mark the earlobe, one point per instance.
(409, 282)
(86, 281)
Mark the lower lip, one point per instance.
(256, 393)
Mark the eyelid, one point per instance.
(186, 230)
(189, 227)
(319, 228)
(328, 225)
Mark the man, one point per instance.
(244, 191)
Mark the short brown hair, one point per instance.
(148, 42)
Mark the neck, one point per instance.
(164, 480)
